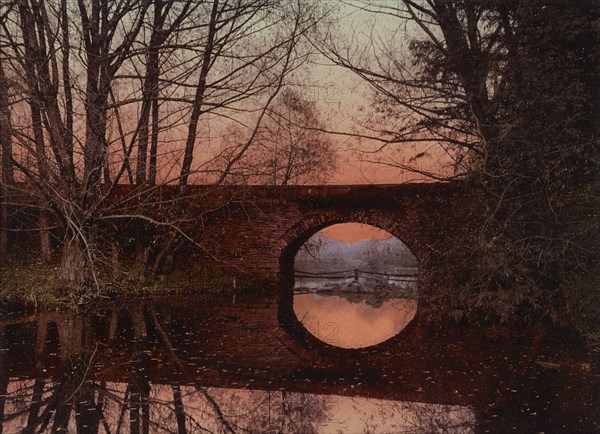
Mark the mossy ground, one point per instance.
(29, 284)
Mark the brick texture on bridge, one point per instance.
(260, 230)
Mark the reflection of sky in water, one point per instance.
(339, 322)
(262, 411)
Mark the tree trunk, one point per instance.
(66, 49)
(199, 97)
(7, 165)
(164, 258)
(74, 265)
(154, 142)
(115, 259)
(95, 152)
(142, 252)
(4, 221)
(45, 244)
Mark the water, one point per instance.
(256, 411)
(354, 294)
(355, 311)
(220, 359)
(347, 350)
(353, 323)
(239, 364)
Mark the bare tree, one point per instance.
(250, 79)
(288, 148)
(159, 35)
(8, 179)
(94, 120)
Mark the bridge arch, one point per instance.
(294, 238)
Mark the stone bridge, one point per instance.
(257, 230)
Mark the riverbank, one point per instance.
(29, 284)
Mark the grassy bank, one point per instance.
(28, 284)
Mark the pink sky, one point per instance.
(353, 232)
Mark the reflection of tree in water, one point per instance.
(412, 417)
(3, 374)
(374, 299)
(86, 379)
(71, 389)
(275, 412)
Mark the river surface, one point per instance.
(262, 363)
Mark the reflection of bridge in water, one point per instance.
(248, 342)
(232, 341)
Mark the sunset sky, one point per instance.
(345, 105)
(353, 232)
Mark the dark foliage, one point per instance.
(536, 250)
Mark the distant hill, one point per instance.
(324, 255)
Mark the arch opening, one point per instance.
(354, 285)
